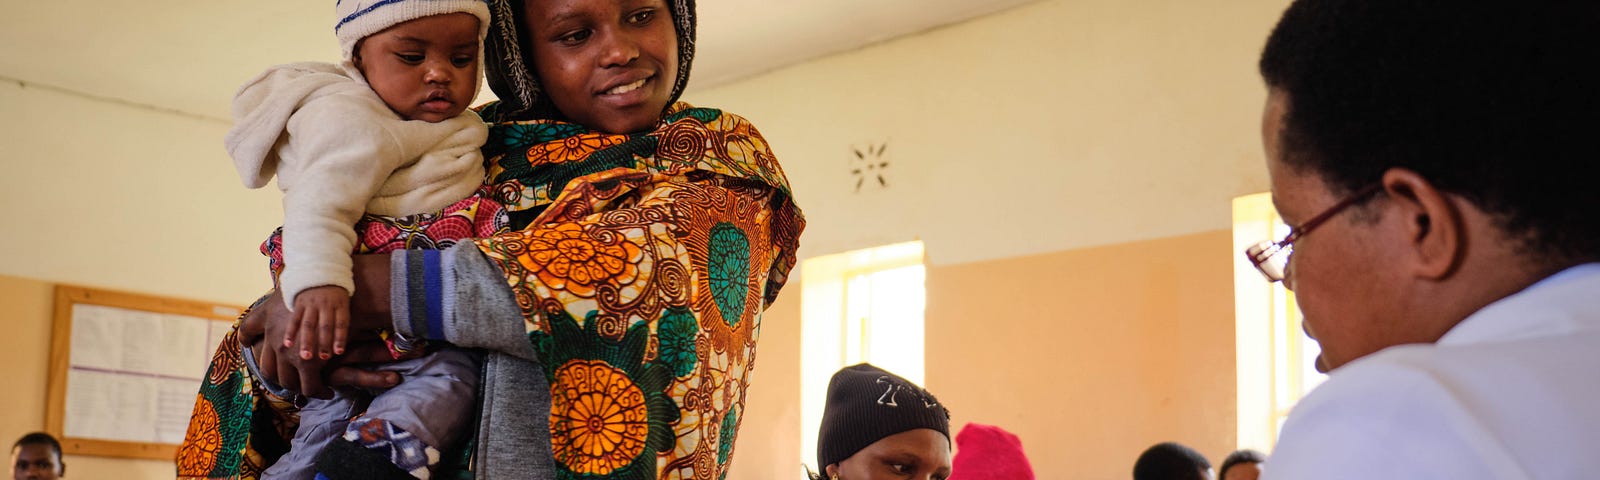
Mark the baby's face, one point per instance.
(609, 65)
(424, 69)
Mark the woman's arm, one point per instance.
(625, 244)
(492, 294)
(457, 295)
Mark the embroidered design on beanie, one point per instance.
(894, 388)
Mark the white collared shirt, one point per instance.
(1512, 392)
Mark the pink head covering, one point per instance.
(987, 452)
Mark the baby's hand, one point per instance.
(321, 321)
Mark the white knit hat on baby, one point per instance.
(358, 19)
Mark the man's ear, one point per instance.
(1430, 222)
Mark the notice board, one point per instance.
(125, 369)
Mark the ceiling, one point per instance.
(190, 55)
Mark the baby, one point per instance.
(377, 154)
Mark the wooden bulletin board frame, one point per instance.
(61, 355)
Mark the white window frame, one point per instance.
(837, 311)
(1273, 355)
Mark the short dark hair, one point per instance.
(1495, 101)
(39, 438)
(1170, 461)
(1238, 457)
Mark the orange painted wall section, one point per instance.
(1091, 355)
(769, 436)
(25, 313)
(1088, 355)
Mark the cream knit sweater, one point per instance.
(339, 152)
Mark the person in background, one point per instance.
(1437, 165)
(878, 426)
(1171, 461)
(37, 456)
(987, 452)
(1241, 465)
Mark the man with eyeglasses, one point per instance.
(1438, 163)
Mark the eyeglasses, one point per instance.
(1272, 258)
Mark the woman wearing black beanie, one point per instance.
(877, 425)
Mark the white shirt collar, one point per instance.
(1561, 304)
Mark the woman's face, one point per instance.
(920, 454)
(606, 64)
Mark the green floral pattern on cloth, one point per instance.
(729, 270)
(677, 331)
(730, 429)
(613, 416)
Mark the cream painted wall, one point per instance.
(1057, 125)
(1062, 124)
(111, 196)
(107, 195)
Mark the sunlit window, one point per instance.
(860, 306)
(1276, 361)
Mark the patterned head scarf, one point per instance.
(510, 70)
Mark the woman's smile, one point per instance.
(628, 95)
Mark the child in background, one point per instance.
(377, 154)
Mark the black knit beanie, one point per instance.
(866, 404)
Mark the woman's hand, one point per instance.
(265, 328)
(339, 370)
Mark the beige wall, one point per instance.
(1058, 125)
(111, 196)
